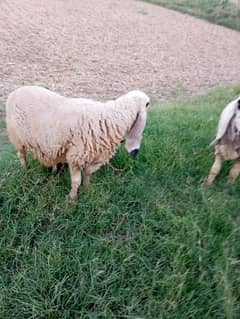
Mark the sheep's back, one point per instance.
(33, 114)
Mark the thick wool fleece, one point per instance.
(83, 132)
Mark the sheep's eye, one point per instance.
(147, 104)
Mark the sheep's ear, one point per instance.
(213, 143)
(138, 126)
(238, 104)
(134, 136)
(226, 116)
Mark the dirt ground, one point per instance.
(104, 48)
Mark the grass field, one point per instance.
(145, 241)
(223, 12)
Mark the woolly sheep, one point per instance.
(227, 142)
(84, 133)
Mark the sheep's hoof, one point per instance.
(72, 197)
(206, 183)
(24, 165)
(231, 180)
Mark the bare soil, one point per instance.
(104, 48)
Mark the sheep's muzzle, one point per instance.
(134, 153)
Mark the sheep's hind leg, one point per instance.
(54, 169)
(88, 172)
(75, 182)
(215, 169)
(234, 172)
(22, 157)
(58, 168)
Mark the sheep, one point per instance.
(227, 142)
(82, 132)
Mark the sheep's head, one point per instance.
(139, 101)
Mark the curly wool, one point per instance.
(55, 128)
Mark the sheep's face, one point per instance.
(134, 136)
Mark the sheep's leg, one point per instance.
(86, 178)
(54, 169)
(22, 157)
(215, 169)
(57, 168)
(88, 172)
(234, 172)
(75, 182)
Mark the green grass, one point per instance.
(223, 12)
(145, 241)
(3, 137)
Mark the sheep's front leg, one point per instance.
(22, 157)
(215, 169)
(234, 172)
(75, 182)
(88, 172)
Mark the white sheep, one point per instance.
(84, 133)
(227, 142)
